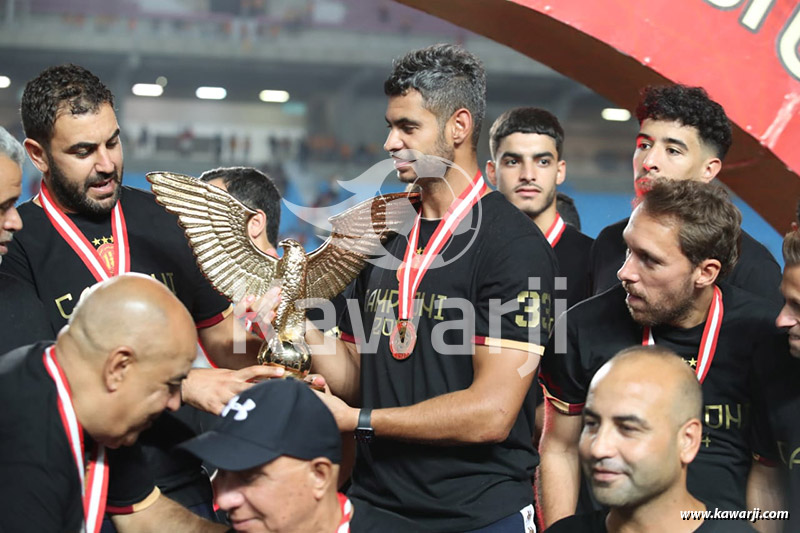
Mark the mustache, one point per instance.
(94, 180)
(627, 287)
(528, 185)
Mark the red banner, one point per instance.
(744, 52)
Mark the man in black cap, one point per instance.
(277, 450)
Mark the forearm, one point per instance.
(462, 417)
(337, 361)
(165, 515)
(559, 466)
(229, 345)
(765, 491)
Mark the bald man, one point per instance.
(641, 429)
(113, 370)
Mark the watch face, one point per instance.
(364, 434)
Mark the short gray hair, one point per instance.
(11, 148)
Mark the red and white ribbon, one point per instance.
(347, 514)
(557, 228)
(94, 479)
(412, 274)
(708, 343)
(81, 246)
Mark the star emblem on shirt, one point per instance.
(692, 362)
(96, 242)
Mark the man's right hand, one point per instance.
(210, 389)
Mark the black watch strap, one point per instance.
(364, 431)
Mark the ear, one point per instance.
(323, 475)
(461, 127)
(257, 224)
(116, 367)
(562, 172)
(37, 155)
(707, 272)
(689, 437)
(711, 169)
(491, 170)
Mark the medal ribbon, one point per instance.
(708, 343)
(347, 513)
(557, 228)
(77, 241)
(447, 225)
(96, 476)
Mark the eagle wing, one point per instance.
(357, 234)
(216, 225)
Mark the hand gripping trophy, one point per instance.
(216, 226)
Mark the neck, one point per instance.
(659, 515)
(263, 244)
(327, 516)
(698, 312)
(439, 194)
(546, 218)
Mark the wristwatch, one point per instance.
(364, 432)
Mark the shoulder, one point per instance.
(612, 232)
(575, 240)
(13, 287)
(755, 250)
(605, 307)
(503, 224)
(742, 304)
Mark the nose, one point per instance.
(651, 161)
(12, 220)
(526, 171)
(393, 141)
(226, 493)
(174, 402)
(601, 443)
(104, 164)
(786, 319)
(627, 272)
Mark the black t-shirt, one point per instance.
(22, 317)
(783, 397)
(40, 487)
(158, 247)
(735, 424)
(596, 523)
(756, 270)
(454, 488)
(572, 251)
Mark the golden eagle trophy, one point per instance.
(216, 225)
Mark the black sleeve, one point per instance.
(758, 273)
(518, 268)
(130, 485)
(39, 500)
(767, 371)
(605, 259)
(562, 374)
(22, 316)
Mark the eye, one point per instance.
(673, 151)
(642, 144)
(544, 162)
(510, 162)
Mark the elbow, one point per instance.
(497, 427)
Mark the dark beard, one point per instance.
(74, 197)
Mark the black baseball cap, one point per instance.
(274, 418)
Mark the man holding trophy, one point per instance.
(443, 374)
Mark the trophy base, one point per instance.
(293, 357)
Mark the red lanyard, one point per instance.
(415, 266)
(557, 228)
(95, 477)
(77, 241)
(347, 513)
(708, 343)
